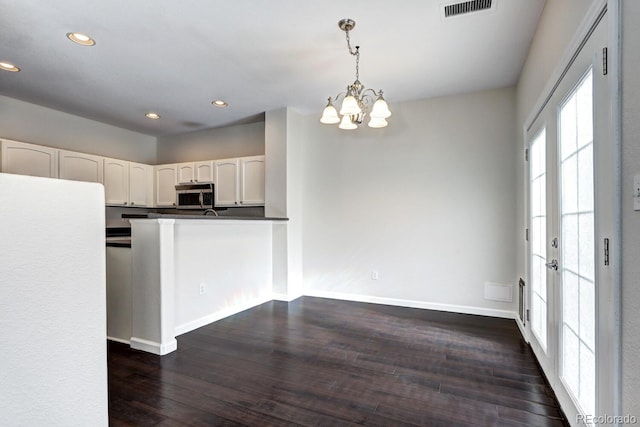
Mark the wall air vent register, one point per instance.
(456, 9)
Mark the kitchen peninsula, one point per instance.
(191, 270)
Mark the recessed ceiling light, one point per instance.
(153, 116)
(219, 103)
(82, 39)
(8, 66)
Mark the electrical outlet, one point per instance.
(374, 275)
(203, 288)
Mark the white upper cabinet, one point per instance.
(80, 166)
(29, 159)
(252, 181)
(127, 183)
(140, 184)
(240, 181)
(227, 182)
(186, 173)
(204, 171)
(166, 180)
(193, 172)
(116, 182)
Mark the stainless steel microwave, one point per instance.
(195, 196)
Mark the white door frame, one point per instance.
(608, 331)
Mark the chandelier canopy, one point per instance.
(357, 101)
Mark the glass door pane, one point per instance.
(538, 237)
(577, 252)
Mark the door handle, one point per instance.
(553, 265)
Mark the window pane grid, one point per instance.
(538, 237)
(577, 245)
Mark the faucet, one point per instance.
(208, 211)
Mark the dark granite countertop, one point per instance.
(119, 242)
(205, 217)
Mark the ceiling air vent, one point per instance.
(466, 7)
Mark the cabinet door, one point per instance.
(226, 180)
(116, 182)
(186, 173)
(140, 180)
(118, 281)
(203, 171)
(166, 180)
(252, 181)
(29, 159)
(80, 166)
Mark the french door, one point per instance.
(570, 225)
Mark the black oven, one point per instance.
(195, 196)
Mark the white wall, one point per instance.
(22, 121)
(152, 286)
(219, 143)
(53, 363)
(427, 202)
(285, 137)
(296, 141)
(276, 132)
(630, 218)
(233, 261)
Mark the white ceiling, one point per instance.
(174, 57)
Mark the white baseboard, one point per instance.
(505, 314)
(154, 347)
(286, 297)
(120, 340)
(219, 315)
(230, 311)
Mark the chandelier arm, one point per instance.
(375, 94)
(335, 99)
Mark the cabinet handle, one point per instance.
(125, 203)
(174, 203)
(132, 203)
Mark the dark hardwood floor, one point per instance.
(320, 362)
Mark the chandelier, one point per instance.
(356, 101)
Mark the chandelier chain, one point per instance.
(355, 53)
(357, 62)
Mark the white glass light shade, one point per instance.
(347, 124)
(380, 109)
(350, 106)
(7, 66)
(330, 115)
(377, 122)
